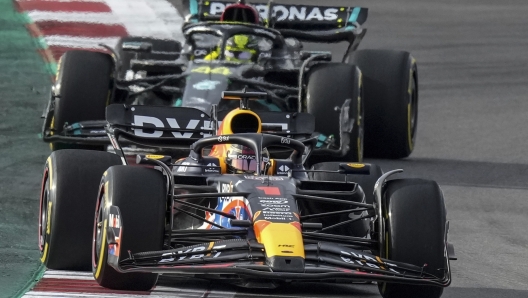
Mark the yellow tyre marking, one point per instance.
(45, 254)
(101, 252)
(52, 126)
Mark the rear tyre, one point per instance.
(329, 86)
(358, 228)
(415, 222)
(390, 81)
(140, 193)
(67, 202)
(82, 92)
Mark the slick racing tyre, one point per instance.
(82, 92)
(329, 86)
(390, 81)
(67, 204)
(141, 196)
(358, 228)
(158, 45)
(415, 222)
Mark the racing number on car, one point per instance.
(212, 70)
(223, 138)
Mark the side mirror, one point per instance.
(138, 47)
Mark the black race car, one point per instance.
(201, 216)
(367, 100)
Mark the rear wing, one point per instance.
(161, 126)
(288, 16)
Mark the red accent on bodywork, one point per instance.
(270, 190)
(259, 226)
(240, 6)
(297, 225)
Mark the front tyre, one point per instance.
(140, 193)
(415, 222)
(67, 201)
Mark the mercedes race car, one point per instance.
(230, 213)
(368, 101)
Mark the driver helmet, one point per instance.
(241, 48)
(242, 160)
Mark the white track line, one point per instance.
(105, 18)
(154, 18)
(101, 1)
(68, 274)
(80, 42)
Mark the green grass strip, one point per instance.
(30, 284)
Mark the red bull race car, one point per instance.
(231, 213)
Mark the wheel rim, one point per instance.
(43, 216)
(98, 228)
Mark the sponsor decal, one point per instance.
(114, 220)
(182, 167)
(286, 245)
(212, 70)
(248, 177)
(227, 187)
(269, 201)
(283, 170)
(206, 85)
(152, 156)
(213, 168)
(285, 141)
(282, 12)
(277, 215)
(364, 260)
(190, 255)
(199, 52)
(149, 123)
(223, 139)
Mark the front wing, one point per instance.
(247, 259)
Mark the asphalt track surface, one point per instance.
(473, 72)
